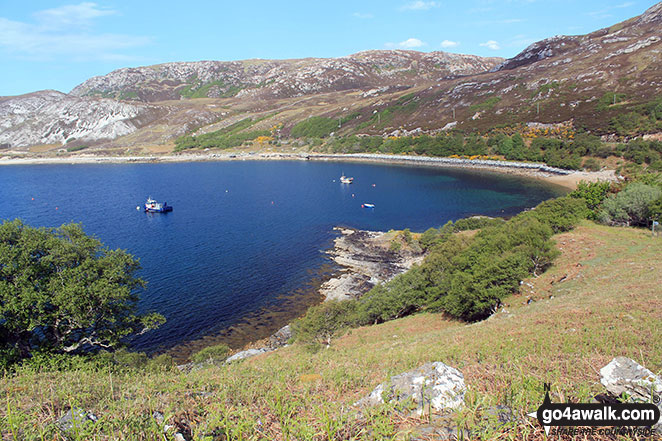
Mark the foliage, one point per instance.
(631, 206)
(488, 104)
(465, 277)
(593, 193)
(561, 214)
(591, 164)
(314, 127)
(228, 137)
(323, 322)
(77, 148)
(211, 354)
(63, 291)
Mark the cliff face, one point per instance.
(51, 117)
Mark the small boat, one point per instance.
(367, 205)
(151, 206)
(345, 180)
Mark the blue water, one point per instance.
(243, 235)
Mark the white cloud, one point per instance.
(409, 43)
(362, 15)
(67, 31)
(491, 44)
(448, 44)
(71, 15)
(419, 5)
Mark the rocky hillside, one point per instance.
(608, 82)
(281, 78)
(51, 117)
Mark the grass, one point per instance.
(599, 300)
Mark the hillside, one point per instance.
(606, 83)
(574, 324)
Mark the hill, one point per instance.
(606, 83)
(561, 329)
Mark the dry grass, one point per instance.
(605, 302)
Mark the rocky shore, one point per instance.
(366, 259)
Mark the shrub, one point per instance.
(323, 322)
(593, 193)
(561, 214)
(314, 127)
(592, 164)
(631, 206)
(212, 354)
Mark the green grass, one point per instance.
(488, 104)
(605, 303)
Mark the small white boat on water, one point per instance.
(346, 180)
(152, 206)
(367, 205)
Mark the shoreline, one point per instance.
(564, 178)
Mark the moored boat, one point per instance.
(346, 180)
(151, 206)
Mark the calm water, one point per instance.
(244, 236)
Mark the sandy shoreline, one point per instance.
(564, 178)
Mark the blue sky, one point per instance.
(59, 44)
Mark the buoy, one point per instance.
(138, 207)
(57, 208)
(33, 199)
(374, 185)
(352, 194)
(362, 206)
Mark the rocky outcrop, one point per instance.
(433, 386)
(366, 260)
(51, 117)
(624, 377)
(247, 354)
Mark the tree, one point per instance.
(62, 290)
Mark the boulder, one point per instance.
(246, 354)
(75, 418)
(434, 384)
(281, 337)
(625, 376)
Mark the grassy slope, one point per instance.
(607, 304)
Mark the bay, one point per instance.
(246, 236)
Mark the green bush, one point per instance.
(323, 322)
(212, 354)
(314, 127)
(631, 206)
(591, 164)
(593, 194)
(560, 214)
